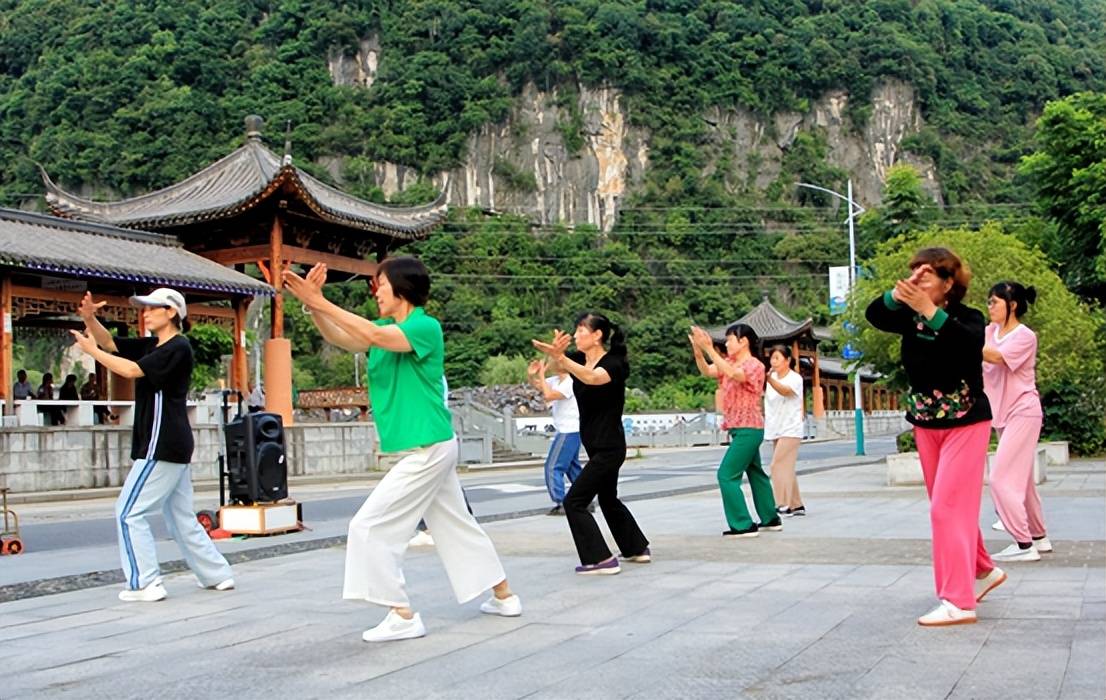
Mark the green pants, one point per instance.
(743, 457)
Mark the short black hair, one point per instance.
(744, 330)
(21, 373)
(409, 278)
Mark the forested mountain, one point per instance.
(678, 128)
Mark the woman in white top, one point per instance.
(783, 427)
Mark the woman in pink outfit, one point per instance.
(1009, 378)
(942, 353)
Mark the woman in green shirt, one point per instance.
(406, 384)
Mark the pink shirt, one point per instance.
(741, 400)
(1012, 388)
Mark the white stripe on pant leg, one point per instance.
(466, 551)
(155, 426)
(379, 533)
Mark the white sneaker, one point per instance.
(1043, 545)
(422, 538)
(227, 585)
(393, 627)
(511, 606)
(947, 614)
(988, 583)
(150, 594)
(997, 525)
(1016, 553)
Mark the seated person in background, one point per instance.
(68, 391)
(45, 392)
(22, 388)
(90, 391)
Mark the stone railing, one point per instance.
(47, 459)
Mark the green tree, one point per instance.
(503, 369)
(1069, 172)
(905, 208)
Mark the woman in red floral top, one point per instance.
(741, 380)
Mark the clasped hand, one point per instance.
(307, 289)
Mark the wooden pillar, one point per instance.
(278, 351)
(276, 268)
(6, 344)
(239, 366)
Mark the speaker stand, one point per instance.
(260, 518)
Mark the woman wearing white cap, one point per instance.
(161, 444)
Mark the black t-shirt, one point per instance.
(601, 406)
(161, 430)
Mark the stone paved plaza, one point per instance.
(825, 609)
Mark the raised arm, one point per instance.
(701, 362)
(119, 365)
(721, 365)
(596, 376)
(536, 376)
(87, 311)
(360, 333)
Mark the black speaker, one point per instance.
(256, 466)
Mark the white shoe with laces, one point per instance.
(150, 594)
(947, 614)
(511, 606)
(1043, 545)
(393, 628)
(1016, 553)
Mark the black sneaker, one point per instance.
(773, 525)
(748, 532)
(556, 510)
(780, 510)
(801, 510)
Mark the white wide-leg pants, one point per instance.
(422, 485)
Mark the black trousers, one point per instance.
(600, 478)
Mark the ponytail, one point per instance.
(1014, 292)
(613, 337)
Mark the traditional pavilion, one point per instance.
(48, 263)
(254, 206)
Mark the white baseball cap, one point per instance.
(163, 296)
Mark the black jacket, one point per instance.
(943, 358)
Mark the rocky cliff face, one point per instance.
(572, 158)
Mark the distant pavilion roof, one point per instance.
(55, 246)
(770, 324)
(239, 182)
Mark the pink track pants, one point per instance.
(1012, 487)
(952, 462)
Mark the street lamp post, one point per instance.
(854, 210)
